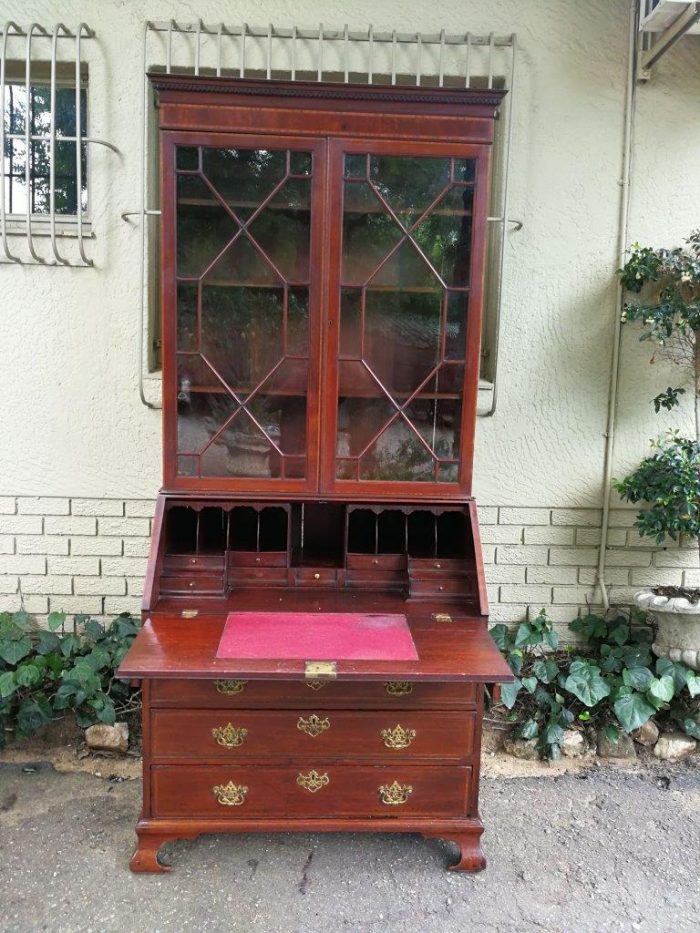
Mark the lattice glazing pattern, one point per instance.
(243, 244)
(407, 225)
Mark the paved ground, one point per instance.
(599, 850)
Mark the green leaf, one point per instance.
(501, 636)
(107, 714)
(637, 677)
(633, 711)
(33, 712)
(553, 734)
(70, 644)
(585, 716)
(692, 728)
(545, 670)
(662, 688)
(47, 642)
(14, 651)
(55, 620)
(98, 658)
(674, 669)
(515, 661)
(619, 634)
(612, 733)
(7, 684)
(509, 693)
(585, 682)
(529, 729)
(27, 674)
(530, 684)
(693, 684)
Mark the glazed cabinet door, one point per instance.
(404, 310)
(243, 224)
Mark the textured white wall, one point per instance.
(72, 422)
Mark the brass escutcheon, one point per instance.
(398, 688)
(230, 795)
(229, 736)
(398, 737)
(230, 687)
(393, 795)
(315, 684)
(313, 781)
(314, 725)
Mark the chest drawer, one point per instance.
(231, 694)
(315, 789)
(325, 733)
(316, 576)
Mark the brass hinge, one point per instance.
(442, 617)
(320, 670)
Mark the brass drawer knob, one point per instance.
(230, 687)
(314, 725)
(229, 736)
(313, 781)
(317, 576)
(230, 795)
(393, 795)
(398, 737)
(398, 688)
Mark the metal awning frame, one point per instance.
(652, 46)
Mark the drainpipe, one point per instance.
(623, 227)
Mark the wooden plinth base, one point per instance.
(152, 834)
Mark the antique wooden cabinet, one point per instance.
(322, 273)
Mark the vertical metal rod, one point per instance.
(241, 68)
(144, 218)
(419, 55)
(505, 207)
(79, 149)
(197, 39)
(269, 51)
(491, 46)
(169, 48)
(3, 217)
(393, 56)
(467, 61)
(319, 76)
(370, 54)
(219, 34)
(28, 143)
(294, 52)
(52, 146)
(345, 52)
(441, 64)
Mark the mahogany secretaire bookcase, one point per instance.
(322, 276)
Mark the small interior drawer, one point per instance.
(316, 576)
(193, 563)
(376, 562)
(257, 558)
(192, 583)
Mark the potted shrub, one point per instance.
(666, 284)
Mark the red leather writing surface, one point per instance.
(319, 636)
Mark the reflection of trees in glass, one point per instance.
(15, 155)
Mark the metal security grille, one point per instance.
(324, 54)
(18, 44)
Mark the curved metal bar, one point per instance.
(3, 217)
(393, 56)
(219, 34)
(270, 30)
(467, 60)
(346, 49)
(441, 63)
(241, 67)
(28, 138)
(370, 54)
(319, 74)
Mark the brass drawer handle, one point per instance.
(398, 688)
(398, 737)
(229, 736)
(230, 795)
(314, 725)
(313, 781)
(393, 795)
(230, 687)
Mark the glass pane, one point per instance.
(406, 251)
(242, 366)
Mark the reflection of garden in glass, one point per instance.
(404, 289)
(243, 239)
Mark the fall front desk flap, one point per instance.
(339, 636)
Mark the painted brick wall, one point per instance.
(89, 556)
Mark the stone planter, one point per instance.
(678, 626)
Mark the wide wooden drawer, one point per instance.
(326, 733)
(232, 694)
(312, 789)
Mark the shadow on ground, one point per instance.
(598, 850)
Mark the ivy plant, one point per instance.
(611, 681)
(65, 666)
